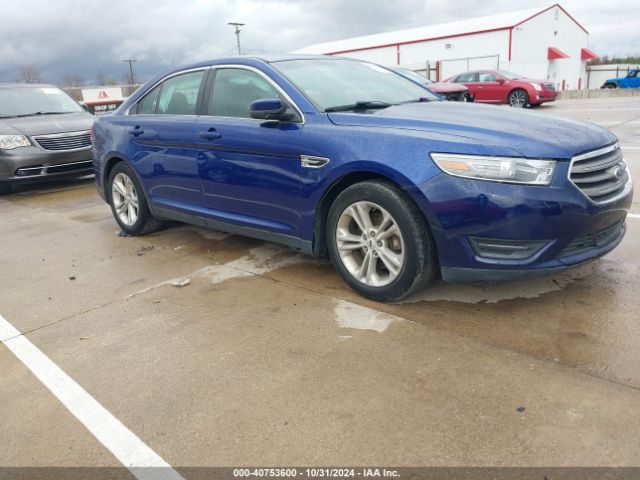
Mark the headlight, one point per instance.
(499, 169)
(8, 142)
(537, 86)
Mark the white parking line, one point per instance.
(133, 453)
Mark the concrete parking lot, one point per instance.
(263, 357)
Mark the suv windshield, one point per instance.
(337, 84)
(27, 101)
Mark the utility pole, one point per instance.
(237, 25)
(130, 62)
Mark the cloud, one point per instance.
(74, 37)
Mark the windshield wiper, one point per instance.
(363, 105)
(40, 113)
(419, 100)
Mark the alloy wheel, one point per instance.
(518, 99)
(125, 199)
(370, 244)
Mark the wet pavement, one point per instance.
(264, 357)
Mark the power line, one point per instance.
(237, 27)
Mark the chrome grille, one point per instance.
(594, 240)
(601, 175)
(550, 86)
(64, 141)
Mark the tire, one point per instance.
(403, 262)
(519, 98)
(463, 97)
(5, 188)
(124, 189)
(610, 85)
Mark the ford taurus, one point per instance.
(346, 158)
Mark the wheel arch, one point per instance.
(109, 164)
(335, 188)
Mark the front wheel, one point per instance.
(518, 98)
(128, 203)
(379, 242)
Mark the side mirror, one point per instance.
(500, 80)
(270, 109)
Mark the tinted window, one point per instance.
(179, 94)
(148, 104)
(465, 77)
(234, 90)
(486, 77)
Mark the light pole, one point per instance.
(130, 62)
(237, 26)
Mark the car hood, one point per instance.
(523, 132)
(45, 124)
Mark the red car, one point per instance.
(451, 91)
(498, 86)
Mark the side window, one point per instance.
(179, 94)
(234, 89)
(465, 77)
(148, 103)
(486, 77)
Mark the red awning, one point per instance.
(555, 54)
(586, 54)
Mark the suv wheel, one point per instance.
(379, 242)
(518, 98)
(128, 203)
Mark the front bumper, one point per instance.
(560, 216)
(29, 164)
(543, 96)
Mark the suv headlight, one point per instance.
(8, 142)
(537, 86)
(499, 169)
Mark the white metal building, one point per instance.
(544, 43)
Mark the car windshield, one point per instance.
(27, 101)
(340, 85)
(510, 75)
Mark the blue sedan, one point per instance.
(345, 158)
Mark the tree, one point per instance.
(105, 80)
(29, 74)
(72, 81)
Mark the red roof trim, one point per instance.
(549, 8)
(555, 54)
(397, 44)
(586, 54)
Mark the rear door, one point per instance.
(470, 80)
(163, 141)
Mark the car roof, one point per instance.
(265, 58)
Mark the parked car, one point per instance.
(632, 80)
(500, 86)
(455, 92)
(44, 133)
(340, 156)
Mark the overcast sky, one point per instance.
(86, 38)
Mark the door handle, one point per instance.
(210, 134)
(135, 131)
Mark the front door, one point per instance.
(489, 90)
(250, 169)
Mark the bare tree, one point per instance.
(29, 74)
(72, 81)
(105, 80)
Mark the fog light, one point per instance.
(502, 249)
